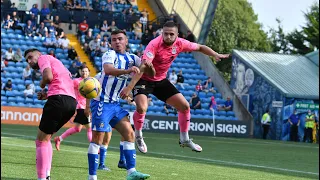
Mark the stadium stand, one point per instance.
(185, 62)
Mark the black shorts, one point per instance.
(57, 111)
(81, 118)
(163, 89)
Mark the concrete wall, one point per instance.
(223, 87)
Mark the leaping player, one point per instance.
(161, 52)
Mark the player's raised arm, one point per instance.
(190, 46)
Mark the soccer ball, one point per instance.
(89, 87)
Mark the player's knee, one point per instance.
(129, 135)
(184, 108)
(78, 129)
(141, 110)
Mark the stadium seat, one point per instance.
(29, 100)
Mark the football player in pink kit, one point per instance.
(161, 52)
(57, 111)
(82, 117)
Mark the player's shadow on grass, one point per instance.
(9, 178)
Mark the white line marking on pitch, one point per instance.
(220, 140)
(197, 158)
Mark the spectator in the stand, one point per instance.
(169, 109)
(78, 63)
(104, 47)
(199, 86)
(29, 29)
(56, 21)
(73, 69)
(145, 38)
(208, 86)
(9, 55)
(172, 18)
(26, 74)
(96, 52)
(94, 43)
(54, 4)
(129, 50)
(63, 42)
(104, 28)
(50, 41)
(83, 28)
(42, 30)
(47, 21)
(228, 105)
(15, 24)
(51, 52)
(70, 5)
(180, 79)
(35, 9)
(28, 92)
(52, 30)
(153, 36)
(190, 37)
(294, 125)
(8, 86)
(110, 6)
(45, 10)
(113, 27)
(195, 102)
(15, 15)
(7, 24)
(144, 21)
(17, 57)
(96, 5)
(72, 53)
(35, 75)
(144, 11)
(59, 31)
(88, 38)
(140, 48)
(33, 18)
(173, 77)
(13, 7)
(137, 29)
(150, 29)
(213, 104)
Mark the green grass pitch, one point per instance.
(221, 159)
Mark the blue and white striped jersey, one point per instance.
(113, 85)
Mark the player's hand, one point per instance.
(125, 93)
(134, 69)
(149, 70)
(218, 57)
(42, 95)
(87, 112)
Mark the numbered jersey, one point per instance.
(113, 85)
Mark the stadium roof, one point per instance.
(314, 57)
(294, 75)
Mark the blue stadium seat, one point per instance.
(21, 87)
(38, 106)
(20, 99)
(12, 99)
(230, 113)
(20, 104)
(9, 94)
(4, 103)
(12, 104)
(3, 92)
(3, 98)
(29, 100)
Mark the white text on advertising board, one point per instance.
(197, 127)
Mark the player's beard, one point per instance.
(34, 66)
(169, 43)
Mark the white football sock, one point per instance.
(138, 133)
(184, 136)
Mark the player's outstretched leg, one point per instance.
(125, 129)
(181, 104)
(68, 132)
(138, 119)
(122, 162)
(50, 152)
(103, 150)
